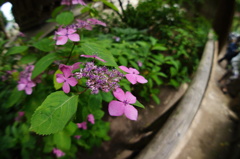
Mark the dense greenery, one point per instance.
(160, 41)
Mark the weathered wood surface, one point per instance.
(164, 142)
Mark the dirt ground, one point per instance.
(211, 133)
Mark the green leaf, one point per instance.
(43, 63)
(110, 5)
(56, 11)
(70, 128)
(65, 18)
(15, 96)
(95, 49)
(28, 59)
(107, 96)
(138, 104)
(98, 114)
(155, 98)
(56, 84)
(54, 113)
(123, 61)
(16, 50)
(174, 83)
(45, 45)
(159, 47)
(62, 140)
(95, 101)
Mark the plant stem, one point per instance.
(70, 54)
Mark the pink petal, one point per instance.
(100, 59)
(76, 66)
(124, 68)
(141, 79)
(28, 90)
(91, 118)
(133, 71)
(60, 78)
(61, 40)
(119, 94)
(79, 2)
(66, 87)
(31, 84)
(131, 78)
(72, 81)
(61, 31)
(21, 86)
(131, 112)
(116, 108)
(66, 70)
(130, 98)
(71, 31)
(74, 37)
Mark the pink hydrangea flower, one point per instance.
(83, 24)
(58, 152)
(82, 125)
(26, 85)
(70, 2)
(64, 34)
(133, 76)
(90, 118)
(66, 78)
(118, 108)
(93, 56)
(77, 137)
(96, 22)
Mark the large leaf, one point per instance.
(54, 113)
(42, 64)
(16, 50)
(95, 49)
(45, 45)
(65, 18)
(62, 140)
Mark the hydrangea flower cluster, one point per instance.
(104, 79)
(99, 77)
(25, 83)
(69, 32)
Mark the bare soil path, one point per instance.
(211, 132)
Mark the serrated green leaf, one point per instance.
(95, 49)
(65, 18)
(62, 140)
(44, 45)
(138, 104)
(43, 63)
(16, 50)
(54, 113)
(55, 83)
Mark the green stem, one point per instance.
(70, 54)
